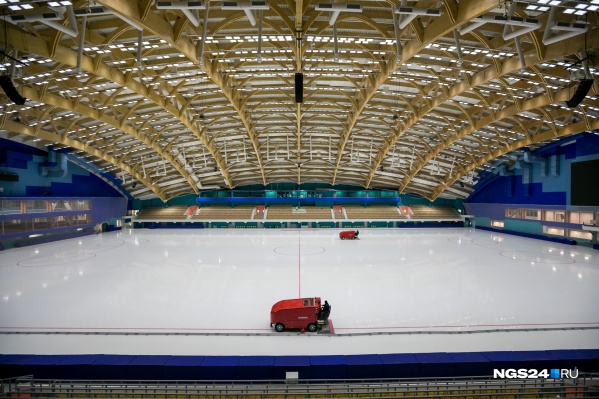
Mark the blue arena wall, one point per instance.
(318, 367)
(552, 190)
(543, 183)
(54, 175)
(47, 174)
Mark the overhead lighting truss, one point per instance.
(570, 29)
(189, 8)
(49, 19)
(336, 9)
(526, 25)
(99, 10)
(411, 13)
(91, 11)
(247, 6)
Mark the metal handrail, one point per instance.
(586, 386)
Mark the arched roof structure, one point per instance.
(175, 97)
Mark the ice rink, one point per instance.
(209, 292)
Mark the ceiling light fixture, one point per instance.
(571, 29)
(337, 9)
(247, 6)
(526, 24)
(413, 12)
(48, 18)
(189, 8)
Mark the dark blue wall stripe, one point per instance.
(322, 367)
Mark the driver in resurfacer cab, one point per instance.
(324, 310)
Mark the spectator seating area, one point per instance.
(320, 212)
(280, 212)
(159, 213)
(224, 213)
(436, 212)
(287, 212)
(308, 213)
(373, 212)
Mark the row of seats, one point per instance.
(373, 212)
(172, 212)
(437, 212)
(312, 213)
(223, 212)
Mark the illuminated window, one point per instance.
(513, 213)
(532, 214)
(554, 216)
(554, 231)
(585, 235)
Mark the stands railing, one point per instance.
(585, 386)
(225, 214)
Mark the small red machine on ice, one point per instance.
(301, 313)
(349, 235)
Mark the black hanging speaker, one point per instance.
(11, 90)
(583, 88)
(299, 87)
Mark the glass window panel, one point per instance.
(513, 213)
(18, 226)
(586, 235)
(36, 206)
(553, 231)
(11, 207)
(80, 205)
(586, 217)
(574, 217)
(532, 214)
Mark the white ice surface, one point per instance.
(433, 283)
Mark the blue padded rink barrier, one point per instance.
(168, 304)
